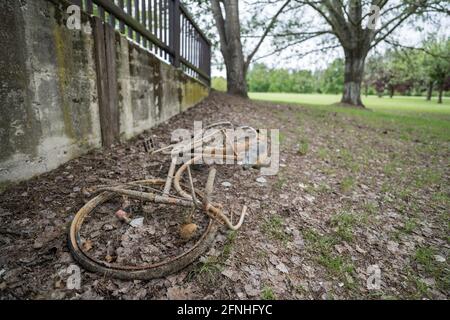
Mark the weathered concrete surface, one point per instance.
(150, 91)
(48, 92)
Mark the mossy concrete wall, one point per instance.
(149, 90)
(49, 109)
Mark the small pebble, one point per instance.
(261, 180)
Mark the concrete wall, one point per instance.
(150, 91)
(49, 110)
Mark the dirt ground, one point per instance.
(351, 197)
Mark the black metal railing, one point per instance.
(164, 27)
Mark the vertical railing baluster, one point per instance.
(89, 7)
(121, 24)
(195, 49)
(130, 13)
(144, 20)
(188, 41)
(161, 23)
(183, 20)
(165, 33)
(112, 19)
(150, 21)
(197, 64)
(174, 32)
(186, 37)
(209, 63)
(204, 55)
(137, 18)
(186, 27)
(193, 46)
(161, 54)
(101, 13)
(181, 34)
(78, 3)
(191, 42)
(155, 22)
(200, 54)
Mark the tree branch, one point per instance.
(277, 50)
(220, 22)
(266, 32)
(396, 44)
(397, 21)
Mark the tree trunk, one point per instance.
(354, 70)
(228, 26)
(236, 74)
(430, 90)
(391, 92)
(441, 91)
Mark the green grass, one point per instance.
(347, 184)
(273, 227)
(303, 147)
(421, 287)
(229, 244)
(267, 294)
(427, 177)
(336, 265)
(322, 153)
(208, 271)
(410, 225)
(398, 104)
(344, 222)
(409, 116)
(424, 256)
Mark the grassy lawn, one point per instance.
(398, 104)
(427, 119)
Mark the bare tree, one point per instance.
(348, 24)
(226, 17)
(354, 25)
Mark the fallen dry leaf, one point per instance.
(87, 245)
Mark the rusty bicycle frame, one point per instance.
(192, 199)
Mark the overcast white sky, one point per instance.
(288, 59)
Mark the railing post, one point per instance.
(174, 30)
(78, 3)
(105, 60)
(208, 61)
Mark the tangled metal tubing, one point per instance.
(191, 199)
